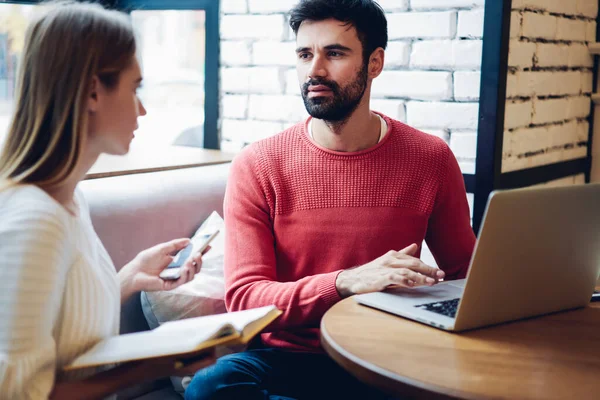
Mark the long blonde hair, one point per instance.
(65, 48)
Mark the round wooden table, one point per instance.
(551, 357)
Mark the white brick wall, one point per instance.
(273, 53)
(397, 54)
(234, 106)
(447, 115)
(444, 4)
(431, 76)
(292, 86)
(247, 131)
(549, 83)
(235, 53)
(392, 108)
(235, 80)
(421, 85)
(446, 54)
(252, 27)
(265, 80)
(470, 24)
(428, 25)
(234, 6)
(277, 108)
(466, 85)
(463, 143)
(270, 6)
(394, 5)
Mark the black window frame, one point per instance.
(490, 132)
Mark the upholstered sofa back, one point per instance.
(133, 212)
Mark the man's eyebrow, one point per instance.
(335, 46)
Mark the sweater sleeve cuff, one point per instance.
(327, 289)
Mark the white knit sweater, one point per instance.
(59, 292)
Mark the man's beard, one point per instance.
(341, 105)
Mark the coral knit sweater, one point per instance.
(297, 214)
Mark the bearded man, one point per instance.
(333, 206)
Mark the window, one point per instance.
(171, 52)
(13, 22)
(178, 42)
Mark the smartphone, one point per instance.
(198, 243)
(596, 295)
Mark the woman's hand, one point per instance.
(108, 382)
(142, 273)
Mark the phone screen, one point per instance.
(183, 255)
(197, 244)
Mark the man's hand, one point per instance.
(395, 268)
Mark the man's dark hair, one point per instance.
(366, 16)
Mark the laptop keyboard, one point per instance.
(446, 307)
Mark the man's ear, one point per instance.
(93, 101)
(376, 61)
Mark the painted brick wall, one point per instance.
(549, 83)
(431, 79)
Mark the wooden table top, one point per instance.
(156, 159)
(551, 357)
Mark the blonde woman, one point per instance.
(59, 291)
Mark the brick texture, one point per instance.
(549, 83)
(431, 76)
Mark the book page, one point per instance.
(176, 337)
(238, 320)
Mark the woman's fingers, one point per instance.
(173, 246)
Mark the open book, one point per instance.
(183, 337)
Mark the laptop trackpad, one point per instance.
(420, 295)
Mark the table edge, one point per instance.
(384, 379)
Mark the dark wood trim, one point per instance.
(175, 157)
(97, 175)
(544, 173)
(211, 77)
(469, 182)
(588, 171)
(492, 101)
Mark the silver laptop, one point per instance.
(538, 252)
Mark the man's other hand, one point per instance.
(393, 269)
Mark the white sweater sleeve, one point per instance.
(35, 256)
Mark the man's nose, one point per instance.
(317, 68)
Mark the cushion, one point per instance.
(204, 295)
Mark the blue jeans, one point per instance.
(276, 374)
